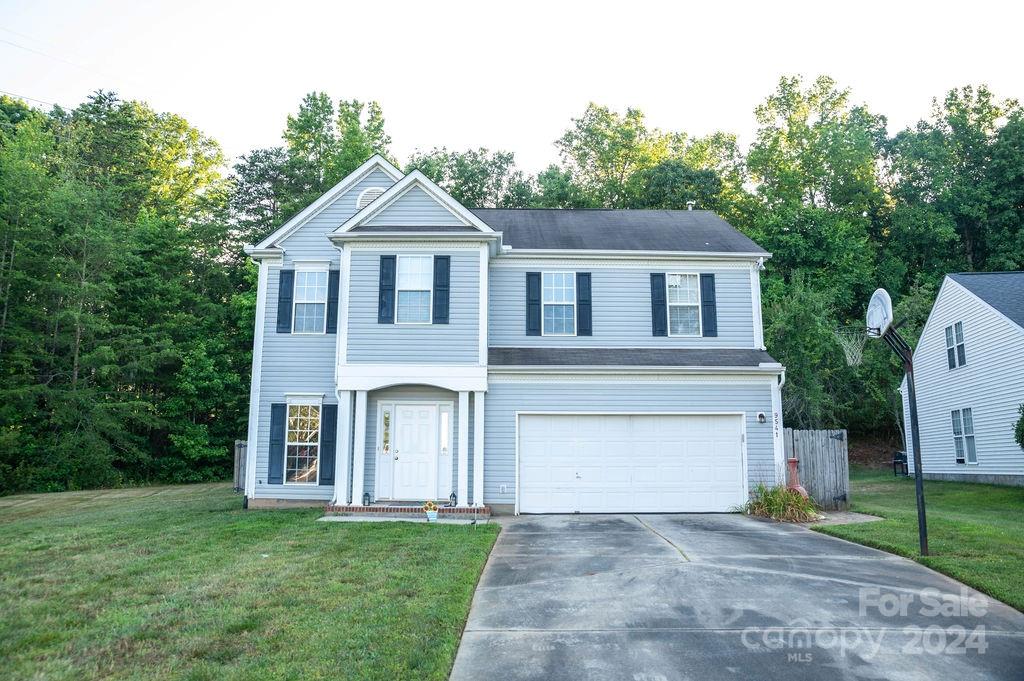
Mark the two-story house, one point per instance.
(969, 380)
(535, 361)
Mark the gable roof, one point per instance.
(412, 181)
(1004, 291)
(618, 230)
(375, 162)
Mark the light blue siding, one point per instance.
(455, 342)
(310, 241)
(504, 399)
(621, 310)
(991, 384)
(413, 393)
(415, 208)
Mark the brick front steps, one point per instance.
(406, 511)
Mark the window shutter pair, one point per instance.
(386, 289)
(659, 305)
(328, 443)
(286, 296)
(584, 306)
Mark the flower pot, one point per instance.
(431, 516)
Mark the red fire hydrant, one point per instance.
(794, 479)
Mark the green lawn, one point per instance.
(975, 532)
(180, 583)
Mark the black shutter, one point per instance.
(442, 284)
(328, 442)
(533, 303)
(584, 325)
(708, 306)
(659, 306)
(386, 291)
(285, 295)
(332, 300)
(275, 470)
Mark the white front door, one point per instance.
(619, 463)
(415, 451)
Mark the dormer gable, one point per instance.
(415, 201)
(377, 171)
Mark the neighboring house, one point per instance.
(530, 360)
(969, 376)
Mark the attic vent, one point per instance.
(368, 196)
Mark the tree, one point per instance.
(672, 184)
(261, 187)
(1018, 430)
(476, 177)
(361, 136)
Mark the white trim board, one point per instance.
(375, 162)
(456, 377)
(256, 376)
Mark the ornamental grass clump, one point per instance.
(782, 504)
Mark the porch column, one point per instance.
(359, 449)
(342, 448)
(478, 448)
(463, 487)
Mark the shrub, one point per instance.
(1018, 430)
(782, 504)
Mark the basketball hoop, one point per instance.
(879, 315)
(851, 339)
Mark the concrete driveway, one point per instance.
(664, 597)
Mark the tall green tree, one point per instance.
(476, 177)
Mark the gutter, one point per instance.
(762, 369)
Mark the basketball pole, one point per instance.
(906, 355)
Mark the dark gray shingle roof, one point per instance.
(1002, 290)
(633, 357)
(619, 230)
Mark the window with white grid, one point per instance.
(310, 314)
(683, 304)
(302, 448)
(414, 284)
(559, 300)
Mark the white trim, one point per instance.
(407, 183)
(478, 448)
(315, 266)
(741, 414)
(255, 377)
(484, 302)
(463, 482)
(341, 351)
(438, 242)
(669, 304)
(634, 377)
(303, 400)
(398, 269)
(778, 442)
(644, 261)
(359, 449)
(375, 162)
(343, 448)
(455, 377)
(614, 254)
(575, 310)
(582, 370)
(755, 303)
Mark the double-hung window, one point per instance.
(559, 300)
(415, 283)
(310, 313)
(683, 304)
(956, 356)
(302, 445)
(963, 435)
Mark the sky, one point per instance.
(508, 75)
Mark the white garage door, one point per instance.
(630, 463)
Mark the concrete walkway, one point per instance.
(667, 597)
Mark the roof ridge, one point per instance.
(962, 274)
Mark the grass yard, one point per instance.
(975, 532)
(180, 583)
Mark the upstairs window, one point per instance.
(963, 436)
(956, 356)
(302, 448)
(559, 300)
(683, 304)
(310, 306)
(414, 287)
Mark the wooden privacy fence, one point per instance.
(823, 465)
(239, 465)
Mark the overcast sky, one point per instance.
(503, 75)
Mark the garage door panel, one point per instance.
(630, 463)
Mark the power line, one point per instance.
(31, 99)
(131, 81)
